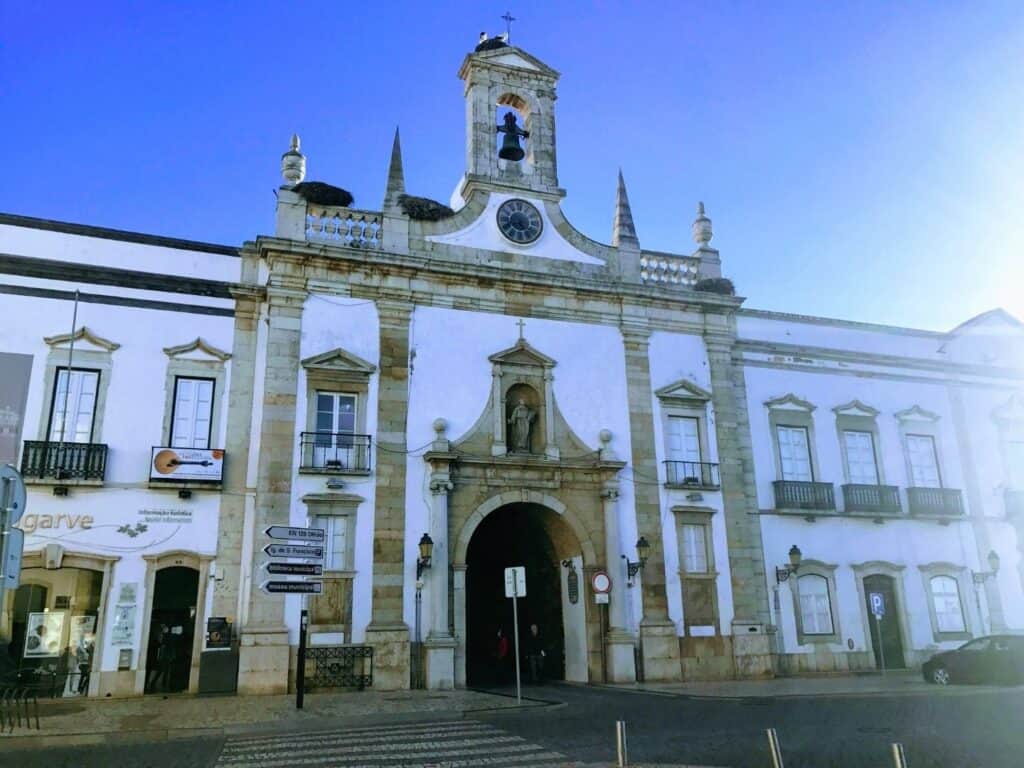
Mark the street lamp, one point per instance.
(980, 577)
(795, 556)
(426, 552)
(643, 551)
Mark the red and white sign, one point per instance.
(602, 583)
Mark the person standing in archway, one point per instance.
(501, 657)
(535, 655)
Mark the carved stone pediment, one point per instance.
(85, 341)
(916, 413)
(855, 408)
(789, 402)
(683, 392)
(339, 361)
(522, 354)
(200, 349)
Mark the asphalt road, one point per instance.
(952, 728)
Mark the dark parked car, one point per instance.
(996, 659)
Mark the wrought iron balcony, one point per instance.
(877, 499)
(63, 461)
(799, 494)
(335, 452)
(1014, 500)
(697, 474)
(947, 502)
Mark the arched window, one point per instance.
(949, 613)
(815, 605)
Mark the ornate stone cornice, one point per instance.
(199, 344)
(916, 413)
(82, 334)
(790, 400)
(855, 405)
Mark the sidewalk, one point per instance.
(894, 683)
(64, 722)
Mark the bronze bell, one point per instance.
(510, 149)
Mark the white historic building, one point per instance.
(481, 383)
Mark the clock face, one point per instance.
(519, 221)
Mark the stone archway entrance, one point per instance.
(538, 538)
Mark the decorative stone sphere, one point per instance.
(293, 163)
(440, 425)
(605, 436)
(702, 233)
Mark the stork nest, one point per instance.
(318, 193)
(490, 44)
(722, 285)
(423, 208)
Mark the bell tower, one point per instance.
(503, 81)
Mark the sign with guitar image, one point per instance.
(197, 464)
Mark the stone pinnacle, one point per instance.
(623, 231)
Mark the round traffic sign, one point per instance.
(602, 583)
(12, 493)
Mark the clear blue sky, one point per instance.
(861, 160)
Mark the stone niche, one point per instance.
(522, 403)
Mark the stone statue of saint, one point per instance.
(521, 422)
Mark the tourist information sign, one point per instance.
(296, 534)
(295, 569)
(297, 551)
(292, 587)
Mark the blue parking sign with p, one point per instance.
(877, 600)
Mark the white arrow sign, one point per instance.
(303, 534)
(294, 550)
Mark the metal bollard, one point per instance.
(899, 760)
(620, 743)
(773, 747)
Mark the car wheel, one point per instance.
(940, 676)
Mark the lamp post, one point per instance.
(795, 557)
(643, 551)
(426, 546)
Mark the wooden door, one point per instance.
(889, 626)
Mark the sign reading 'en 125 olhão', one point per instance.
(195, 464)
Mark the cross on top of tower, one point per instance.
(509, 18)
(522, 324)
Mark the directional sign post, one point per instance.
(295, 569)
(292, 587)
(296, 534)
(515, 587)
(877, 603)
(12, 540)
(297, 551)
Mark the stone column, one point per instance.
(658, 641)
(230, 531)
(264, 653)
(439, 645)
(459, 621)
(751, 644)
(387, 632)
(976, 507)
(619, 641)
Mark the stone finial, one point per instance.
(605, 436)
(623, 231)
(396, 175)
(293, 163)
(702, 227)
(440, 427)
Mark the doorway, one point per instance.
(513, 535)
(889, 627)
(171, 630)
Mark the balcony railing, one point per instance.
(879, 499)
(699, 474)
(935, 501)
(335, 452)
(63, 461)
(799, 494)
(1014, 500)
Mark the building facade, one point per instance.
(483, 377)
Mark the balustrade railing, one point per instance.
(701, 474)
(935, 501)
(800, 494)
(344, 226)
(879, 499)
(668, 269)
(335, 452)
(64, 461)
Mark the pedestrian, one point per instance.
(165, 656)
(535, 655)
(501, 648)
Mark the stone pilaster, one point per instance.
(440, 644)
(230, 531)
(619, 642)
(976, 507)
(264, 655)
(387, 632)
(658, 641)
(751, 642)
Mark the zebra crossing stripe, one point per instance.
(359, 736)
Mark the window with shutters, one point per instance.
(695, 548)
(76, 396)
(683, 439)
(794, 453)
(860, 457)
(949, 615)
(813, 590)
(815, 605)
(336, 552)
(192, 417)
(924, 462)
